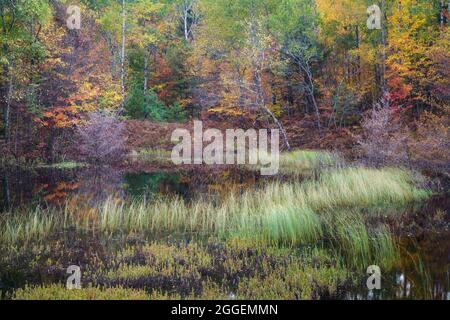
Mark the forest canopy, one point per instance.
(291, 63)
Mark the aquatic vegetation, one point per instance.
(294, 282)
(164, 260)
(363, 188)
(302, 161)
(59, 292)
(26, 226)
(298, 212)
(285, 224)
(213, 270)
(333, 211)
(280, 212)
(359, 242)
(285, 212)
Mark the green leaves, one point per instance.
(149, 106)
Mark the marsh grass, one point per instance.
(280, 224)
(289, 213)
(306, 160)
(66, 165)
(334, 208)
(359, 241)
(303, 163)
(27, 225)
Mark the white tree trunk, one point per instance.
(122, 71)
(257, 61)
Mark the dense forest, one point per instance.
(315, 69)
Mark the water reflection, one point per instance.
(53, 187)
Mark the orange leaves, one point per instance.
(59, 192)
(60, 117)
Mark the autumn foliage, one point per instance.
(310, 68)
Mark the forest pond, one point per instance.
(422, 271)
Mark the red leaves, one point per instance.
(399, 93)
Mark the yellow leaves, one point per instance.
(159, 87)
(111, 97)
(276, 109)
(229, 111)
(346, 12)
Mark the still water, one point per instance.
(423, 271)
(47, 187)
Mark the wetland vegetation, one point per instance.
(90, 105)
(297, 236)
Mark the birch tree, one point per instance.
(188, 16)
(295, 27)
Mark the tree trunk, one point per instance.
(257, 61)
(310, 88)
(384, 88)
(8, 107)
(122, 71)
(358, 56)
(261, 101)
(146, 63)
(185, 21)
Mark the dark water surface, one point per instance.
(49, 187)
(423, 271)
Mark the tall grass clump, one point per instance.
(281, 224)
(26, 226)
(363, 188)
(160, 215)
(360, 242)
(307, 160)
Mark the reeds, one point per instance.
(333, 209)
(308, 160)
(360, 242)
(27, 225)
